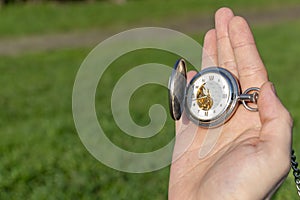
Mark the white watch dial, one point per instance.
(211, 97)
(208, 96)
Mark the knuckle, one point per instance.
(229, 64)
(243, 44)
(252, 70)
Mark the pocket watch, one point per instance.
(210, 98)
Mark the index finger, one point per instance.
(251, 70)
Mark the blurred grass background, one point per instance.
(41, 156)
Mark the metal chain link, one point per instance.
(296, 171)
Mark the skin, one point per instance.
(251, 156)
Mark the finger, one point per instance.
(276, 120)
(209, 51)
(226, 57)
(251, 70)
(190, 75)
(184, 120)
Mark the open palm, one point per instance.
(249, 156)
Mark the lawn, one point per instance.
(42, 156)
(28, 19)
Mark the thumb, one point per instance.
(275, 119)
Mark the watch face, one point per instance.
(211, 97)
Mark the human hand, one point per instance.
(251, 157)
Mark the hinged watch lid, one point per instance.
(177, 86)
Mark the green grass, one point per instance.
(31, 19)
(42, 156)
